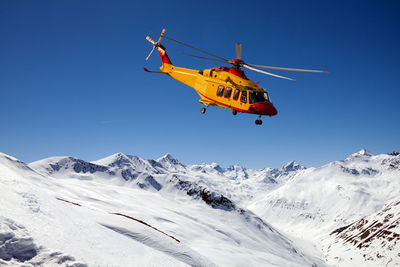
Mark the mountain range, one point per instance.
(124, 210)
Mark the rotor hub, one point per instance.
(237, 62)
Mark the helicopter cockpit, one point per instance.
(257, 96)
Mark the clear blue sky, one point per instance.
(71, 80)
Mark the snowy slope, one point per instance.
(37, 228)
(320, 200)
(373, 240)
(127, 211)
(210, 215)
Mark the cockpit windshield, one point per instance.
(267, 96)
(257, 97)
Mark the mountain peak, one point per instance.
(217, 167)
(364, 152)
(169, 157)
(117, 159)
(292, 166)
(168, 160)
(119, 154)
(235, 167)
(361, 153)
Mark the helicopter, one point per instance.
(226, 87)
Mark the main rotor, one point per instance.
(237, 62)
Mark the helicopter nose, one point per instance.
(265, 109)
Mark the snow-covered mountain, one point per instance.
(318, 201)
(203, 215)
(67, 211)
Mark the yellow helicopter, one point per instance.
(226, 87)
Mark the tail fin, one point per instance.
(161, 49)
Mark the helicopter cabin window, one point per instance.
(228, 92)
(243, 98)
(236, 94)
(220, 91)
(256, 97)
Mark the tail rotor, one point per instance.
(155, 44)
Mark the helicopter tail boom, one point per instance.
(163, 55)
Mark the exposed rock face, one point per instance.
(150, 181)
(77, 165)
(292, 166)
(215, 200)
(376, 237)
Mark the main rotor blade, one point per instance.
(206, 58)
(246, 66)
(281, 68)
(194, 48)
(239, 50)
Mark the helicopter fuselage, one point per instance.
(222, 86)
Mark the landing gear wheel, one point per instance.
(203, 110)
(258, 122)
(234, 112)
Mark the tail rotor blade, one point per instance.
(150, 40)
(161, 36)
(239, 50)
(271, 74)
(155, 44)
(150, 53)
